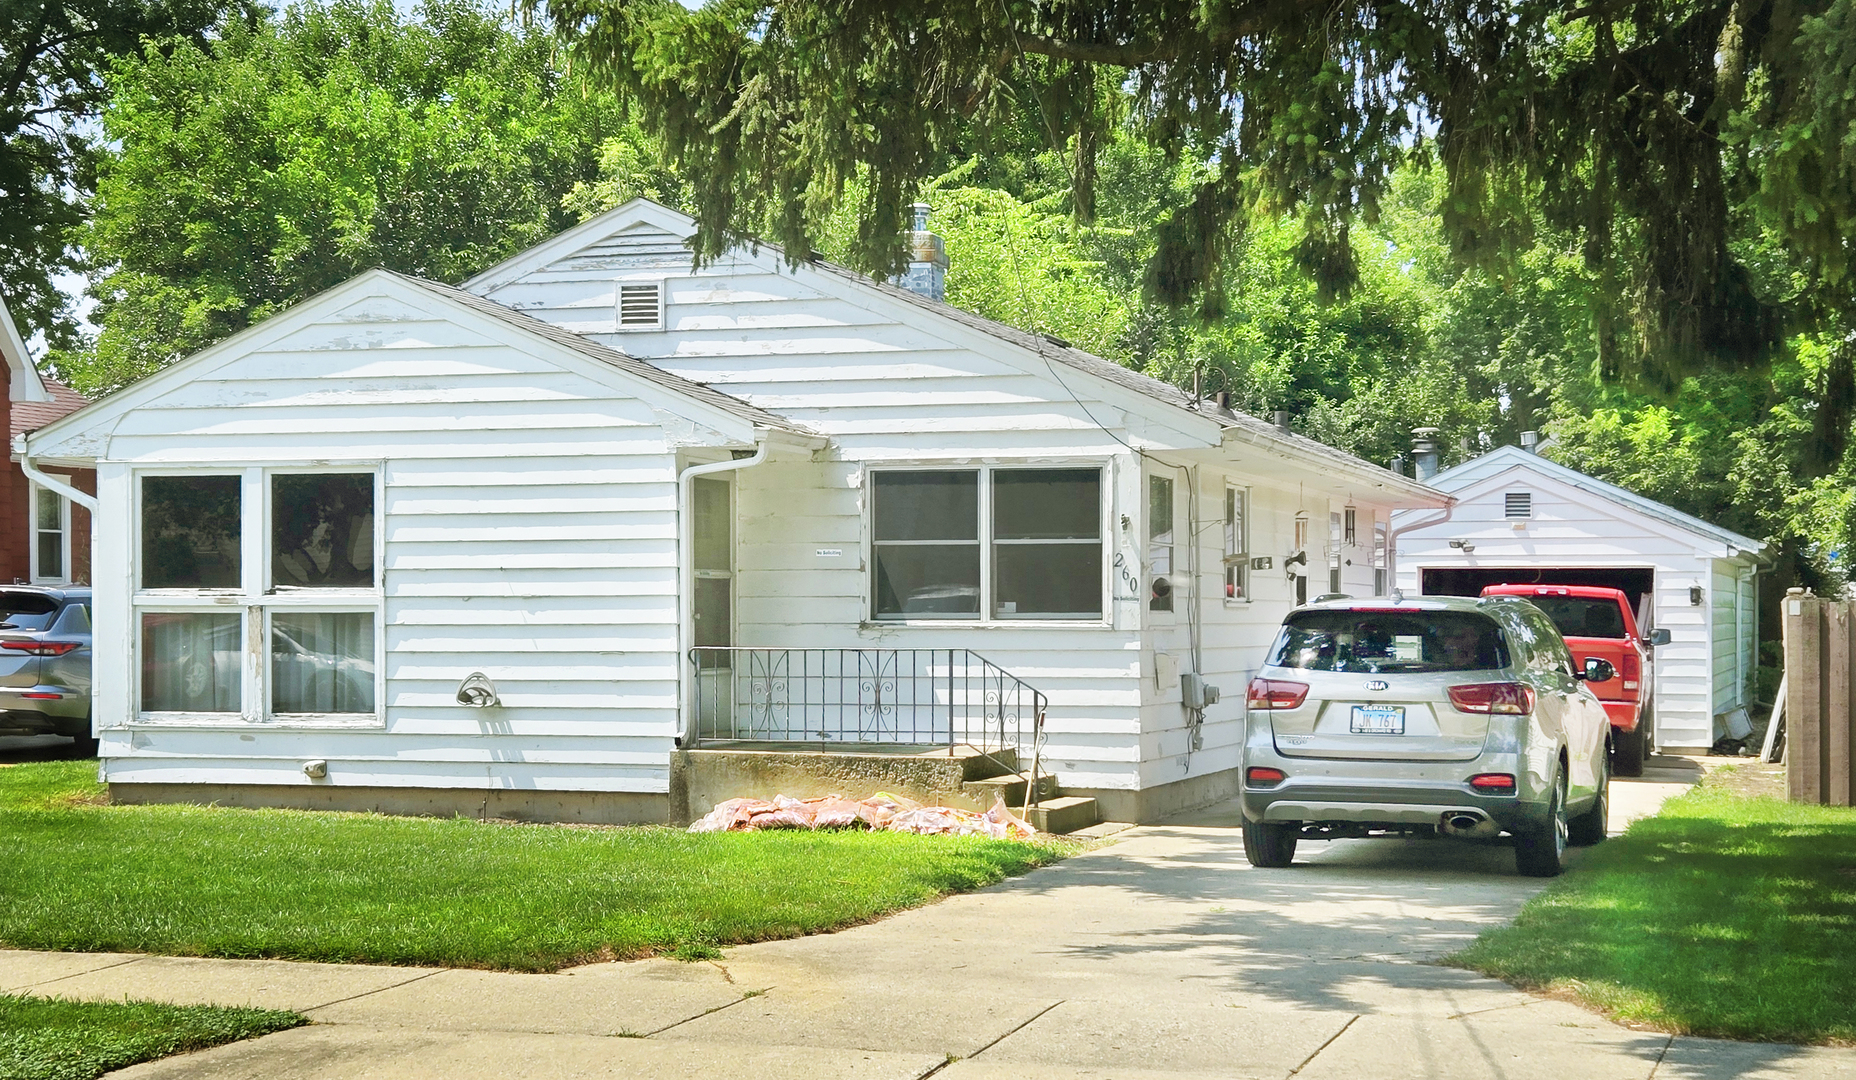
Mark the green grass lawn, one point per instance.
(201, 881)
(49, 1039)
(1722, 915)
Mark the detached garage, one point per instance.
(1520, 518)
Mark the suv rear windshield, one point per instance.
(1379, 642)
(1583, 616)
(26, 611)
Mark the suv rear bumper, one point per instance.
(64, 714)
(1369, 793)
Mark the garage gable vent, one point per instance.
(641, 307)
(1518, 504)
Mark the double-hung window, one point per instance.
(1379, 558)
(258, 597)
(51, 536)
(996, 543)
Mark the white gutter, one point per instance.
(88, 502)
(686, 570)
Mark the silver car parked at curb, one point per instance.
(1434, 715)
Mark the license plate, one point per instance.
(1378, 720)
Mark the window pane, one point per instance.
(1047, 504)
(190, 662)
(322, 662)
(1049, 579)
(713, 621)
(928, 579)
(51, 554)
(926, 505)
(50, 512)
(322, 530)
(713, 541)
(190, 532)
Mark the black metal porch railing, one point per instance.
(915, 697)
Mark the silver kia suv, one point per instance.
(1433, 715)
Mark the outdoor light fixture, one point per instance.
(1694, 595)
(1466, 546)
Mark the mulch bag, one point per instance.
(882, 812)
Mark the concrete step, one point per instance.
(1011, 787)
(1064, 815)
(977, 766)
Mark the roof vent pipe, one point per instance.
(1424, 449)
(1282, 421)
(1530, 441)
(1397, 464)
(927, 272)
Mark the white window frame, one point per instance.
(1237, 544)
(618, 305)
(1335, 535)
(987, 616)
(256, 600)
(36, 575)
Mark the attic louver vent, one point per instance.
(641, 307)
(1518, 504)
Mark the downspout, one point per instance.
(88, 502)
(686, 571)
(1392, 536)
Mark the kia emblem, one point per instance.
(1378, 684)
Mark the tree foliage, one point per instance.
(285, 156)
(1663, 136)
(53, 56)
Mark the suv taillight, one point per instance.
(41, 648)
(1508, 698)
(1276, 694)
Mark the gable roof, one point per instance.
(703, 397)
(1043, 347)
(32, 415)
(20, 372)
(1506, 459)
(608, 355)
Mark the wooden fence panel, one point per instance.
(1820, 699)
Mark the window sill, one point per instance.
(221, 722)
(986, 624)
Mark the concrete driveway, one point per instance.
(1160, 954)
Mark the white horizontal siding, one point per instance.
(529, 524)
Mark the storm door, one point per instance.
(713, 604)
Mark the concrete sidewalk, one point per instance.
(1163, 953)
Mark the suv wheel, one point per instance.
(1540, 849)
(1628, 751)
(1590, 827)
(1270, 844)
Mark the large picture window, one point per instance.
(998, 543)
(259, 597)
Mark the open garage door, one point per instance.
(1635, 581)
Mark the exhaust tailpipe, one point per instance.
(1466, 824)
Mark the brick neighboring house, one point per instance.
(44, 538)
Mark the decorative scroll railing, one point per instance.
(827, 697)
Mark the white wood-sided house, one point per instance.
(655, 505)
(1520, 517)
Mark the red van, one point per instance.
(1598, 622)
